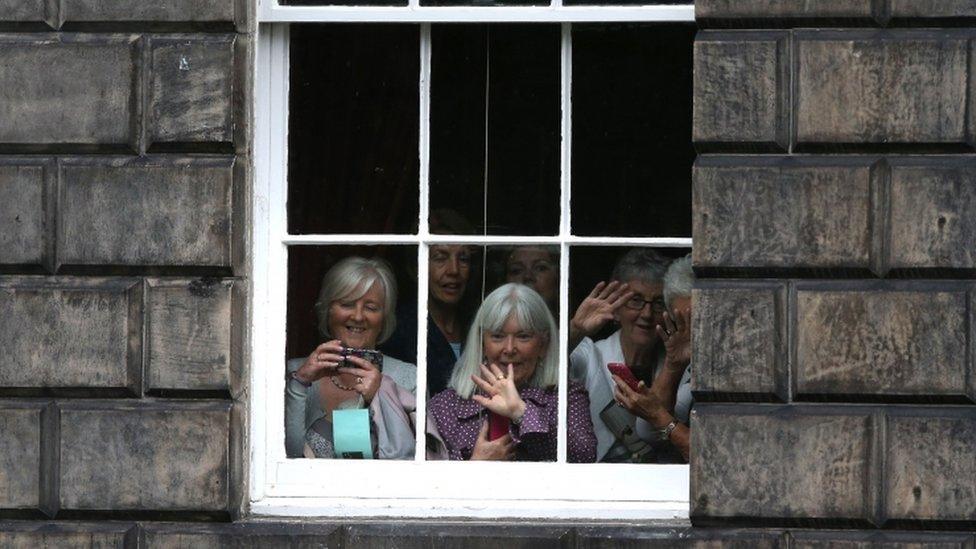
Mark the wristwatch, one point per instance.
(294, 375)
(664, 435)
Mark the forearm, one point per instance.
(295, 397)
(681, 438)
(665, 386)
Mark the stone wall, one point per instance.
(123, 188)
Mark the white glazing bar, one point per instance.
(423, 250)
(565, 224)
(479, 240)
(270, 12)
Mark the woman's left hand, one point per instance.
(500, 394)
(642, 403)
(368, 376)
(676, 335)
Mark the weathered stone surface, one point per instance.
(881, 340)
(740, 86)
(628, 536)
(20, 457)
(925, 9)
(881, 88)
(799, 462)
(930, 465)
(242, 535)
(67, 89)
(22, 225)
(153, 211)
(73, 11)
(189, 334)
(782, 213)
(878, 540)
(70, 333)
(192, 90)
(23, 11)
(932, 222)
(383, 535)
(165, 456)
(775, 9)
(66, 535)
(740, 339)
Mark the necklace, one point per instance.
(335, 381)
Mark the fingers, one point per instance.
(621, 385)
(480, 399)
(360, 362)
(484, 386)
(669, 325)
(358, 372)
(621, 299)
(597, 289)
(661, 334)
(496, 372)
(511, 372)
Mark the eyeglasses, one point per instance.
(637, 303)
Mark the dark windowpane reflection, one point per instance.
(628, 2)
(632, 152)
(505, 77)
(343, 2)
(353, 129)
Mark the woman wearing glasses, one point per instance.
(633, 300)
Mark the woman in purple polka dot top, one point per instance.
(509, 369)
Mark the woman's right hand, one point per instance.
(598, 307)
(500, 449)
(322, 362)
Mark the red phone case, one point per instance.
(621, 370)
(498, 426)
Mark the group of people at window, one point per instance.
(492, 377)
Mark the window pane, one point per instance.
(632, 152)
(495, 119)
(353, 130)
(630, 341)
(327, 301)
(343, 3)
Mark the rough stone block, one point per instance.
(878, 540)
(192, 90)
(881, 88)
(740, 343)
(189, 334)
(24, 11)
(382, 535)
(97, 11)
(782, 213)
(932, 222)
(625, 537)
(68, 90)
(881, 339)
(152, 211)
(22, 214)
(778, 462)
(20, 456)
(71, 333)
(159, 456)
(779, 9)
(242, 535)
(66, 535)
(928, 9)
(740, 90)
(930, 465)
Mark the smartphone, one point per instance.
(621, 370)
(372, 355)
(498, 425)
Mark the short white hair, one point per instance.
(531, 313)
(350, 279)
(643, 264)
(679, 280)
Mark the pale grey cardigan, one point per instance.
(303, 406)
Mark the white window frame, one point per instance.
(352, 488)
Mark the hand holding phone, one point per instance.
(621, 370)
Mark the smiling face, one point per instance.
(358, 322)
(523, 349)
(637, 326)
(450, 268)
(534, 268)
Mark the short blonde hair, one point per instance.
(532, 314)
(351, 278)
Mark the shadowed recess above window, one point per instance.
(354, 129)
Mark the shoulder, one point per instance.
(403, 373)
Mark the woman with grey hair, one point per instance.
(355, 311)
(666, 405)
(509, 369)
(632, 299)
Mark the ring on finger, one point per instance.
(359, 381)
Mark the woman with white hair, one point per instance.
(509, 368)
(355, 311)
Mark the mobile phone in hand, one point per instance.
(498, 425)
(621, 370)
